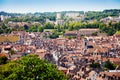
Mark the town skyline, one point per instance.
(31, 6)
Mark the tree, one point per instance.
(95, 65)
(31, 67)
(33, 28)
(1, 30)
(48, 26)
(117, 32)
(54, 35)
(6, 70)
(11, 52)
(40, 29)
(109, 65)
(95, 34)
(3, 60)
(4, 26)
(21, 28)
(26, 27)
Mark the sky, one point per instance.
(26, 6)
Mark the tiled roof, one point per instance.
(117, 74)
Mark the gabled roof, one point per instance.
(117, 74)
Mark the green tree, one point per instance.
(4, 26)
(33, 28)
(3, 60)
(109, 65)
(6, 70)
(48, 26)
(40, 29)
(31, 67)
(95, 65)
(95, 34)
(54, 35)
(1, 30)
(117, 32)
(11, 52)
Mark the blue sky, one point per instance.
(25, 6)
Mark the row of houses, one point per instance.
(72, 56)
(84, 32)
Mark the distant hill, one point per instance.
(114, 12)
(91, 15)
(10, 14)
